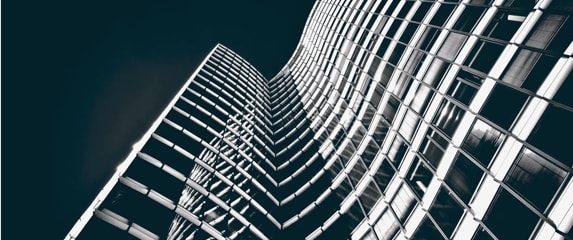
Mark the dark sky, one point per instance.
(83, 80)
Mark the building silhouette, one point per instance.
(393, 119)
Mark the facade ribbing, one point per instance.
(396, 119)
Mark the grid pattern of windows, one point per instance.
(397, 119)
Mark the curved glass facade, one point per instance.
(393, 119)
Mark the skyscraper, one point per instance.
(392, 119)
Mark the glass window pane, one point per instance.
(552, 133)
(463, 177)
(546, 31)
(397, 151)
(433, 147)
(508, 218)
(390, 33)
(413, 63)
(483, 55)
(443, 13)
(369, 197)
(377, 95)
(427, 39)
(369, 113)
(528, 69)
(419, 176)
(427, 231)
(461, 90)
(503, 105)
(435, 72)
(396, 54)
(446, 211)
(535, 178)
(381, 132)
(402, 85)
(374, 66)
(482, 142)
(390, 109)
(408, 32)
(386, 74)
(423, 96)
(357, 173)
(469, 18)
(452, 45)
(448, 117)
(482, 234)
(403, 203)
(501, 27)
(370, 152)
(405, 9)
(421, 12)
(384, 175)
(409, 125)
(387, 226)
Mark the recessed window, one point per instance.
(535, 178)
(387, 226)
(386, 74)
(405, 9)
(508, 218)
(463, 177)
(384, 175)
(396, 53)
(409, 125)
(462, 90)
(435, 72)
(414, 62)
(421, 12)
(452, 45)
(408, 32)
(503, 105)
(393, 28)
(552, 32)
(433, 147)
(423, 96)
(419, 175)
(483, 55)
(402, 86)
(446, 211)
(369, 197)
(448, 117)
(374, 66)
(357, 173)
(469, 18)
(427, 230)
(502, 26)
(390, 109)
(482, 142)
(403, 203)
(369, 113)
(428, 38)
(442, 15)
(552, 133)
(370, 152)
(397, 151)
(528, 69)
(347, 153)
(377, 95)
